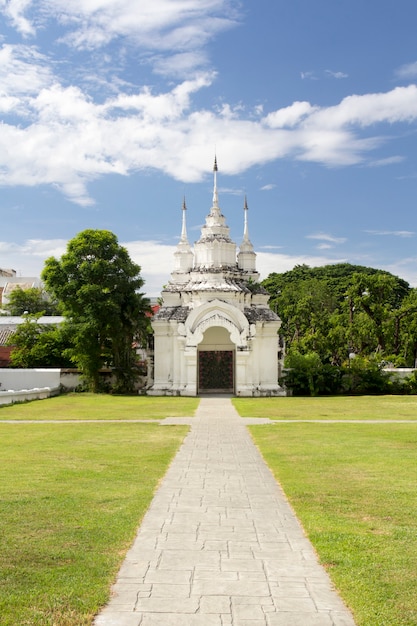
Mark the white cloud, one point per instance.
(152, 256)
(181, 64)
(391, 233)
(406, 268)
(387, 161)
(71, 139)
(326, 237)
(164, 106)
(397, 105)
(268, 187)
(181, 25)
(279, 263)
(231, 191)
(15, 10)
(23, 71)
(320, 74)
(308, 76)
(407, 71)
(55, 133)
(337, 75)
(288, 117)
(28, 259)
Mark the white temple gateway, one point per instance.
(215, 332)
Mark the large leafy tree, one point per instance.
(340, 309)
(98, 287)
(341, 324)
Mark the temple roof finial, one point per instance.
(215, 195)
(184, 227)
(245, 229)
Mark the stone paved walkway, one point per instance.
(220, 545)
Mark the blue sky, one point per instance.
(112, 110)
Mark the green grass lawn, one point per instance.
(88, 406)
(72, 496)
(330, 408)
(354, 488)
(71, 499)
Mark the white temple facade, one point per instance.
(215, 332)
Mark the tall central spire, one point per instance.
(184, 238)
(215, 249)
(245, 228)
(215, 194)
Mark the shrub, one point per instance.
(306, 375)
(365, 376)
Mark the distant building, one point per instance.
(214, 331)
(5, 274)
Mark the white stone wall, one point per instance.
(11, 397)
(17, 379)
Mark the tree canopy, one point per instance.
(31, 301)
(98, 286)
(39, 345)
(343, 309)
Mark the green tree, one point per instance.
(405, 330)
(98, 286)
(39, 345)
(379, 297)
(365, 375)
(33, 300)
(335, 310)
(304, 373)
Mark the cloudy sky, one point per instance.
(112, 111)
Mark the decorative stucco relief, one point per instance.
(216, 319)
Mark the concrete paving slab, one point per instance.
(220, 545)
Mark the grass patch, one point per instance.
(89, 406)
(354, 490)
(71, 499)
(330, 408)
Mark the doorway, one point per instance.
(216, 362)
(216, 371)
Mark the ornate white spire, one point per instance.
(246, 257)
(183, 255)
(215, 194)
(215, 249)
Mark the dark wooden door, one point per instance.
(215, 371)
